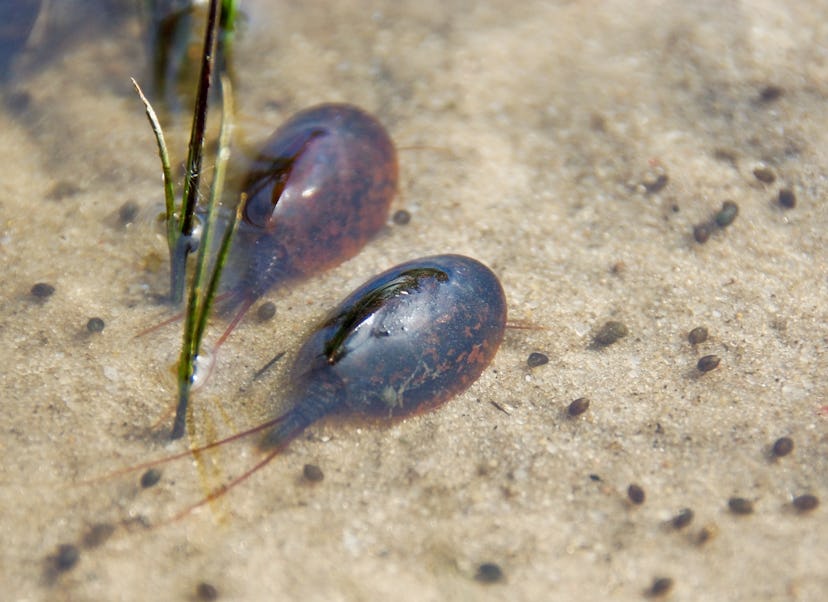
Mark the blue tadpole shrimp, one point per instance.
(404, 342)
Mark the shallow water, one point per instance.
(534, 130)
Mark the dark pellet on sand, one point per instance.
(95, 325)
(805, 503)
(489, 572)
(266, 311)
(66, 557)
(697, 335)
(740, 505)
(702, 232)
(127, 212)
(706, 533)
(708, 363)
(787, 198)
(401, 217)
(764, 174)
(598, 122)
(782, 446)
(610, 332)
(727, 214)
(656, 185)
(42, 290)
(312, 473)
(150, 478)
(636, 494)
(682, 519)
(661, 586)
(536, 359)
(206, 591)
(726, 154)
(97, 535)
(770, 93)
(62, 190)
(578, 407)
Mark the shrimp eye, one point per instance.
(263, 195)
(267, 181)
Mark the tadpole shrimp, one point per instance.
(319, 190)
(404, 342)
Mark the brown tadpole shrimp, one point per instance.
(404, 342)
(319, 190)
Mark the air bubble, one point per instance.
(202, 368)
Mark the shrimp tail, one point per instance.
(293, 424)
(319, 397)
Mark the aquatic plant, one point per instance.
(183, 235)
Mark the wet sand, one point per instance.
(570, 146)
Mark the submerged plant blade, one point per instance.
(211, 275)
(169, 192)
(208, 271)
(227, 34)
(195, 154)
(174, 37)
(196, 147)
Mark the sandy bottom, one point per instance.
(571, 146)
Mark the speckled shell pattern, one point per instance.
(338, 169)
(408, 339)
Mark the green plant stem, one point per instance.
(207, 276)
(184, 243)
(169, 192)
(227, 33)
